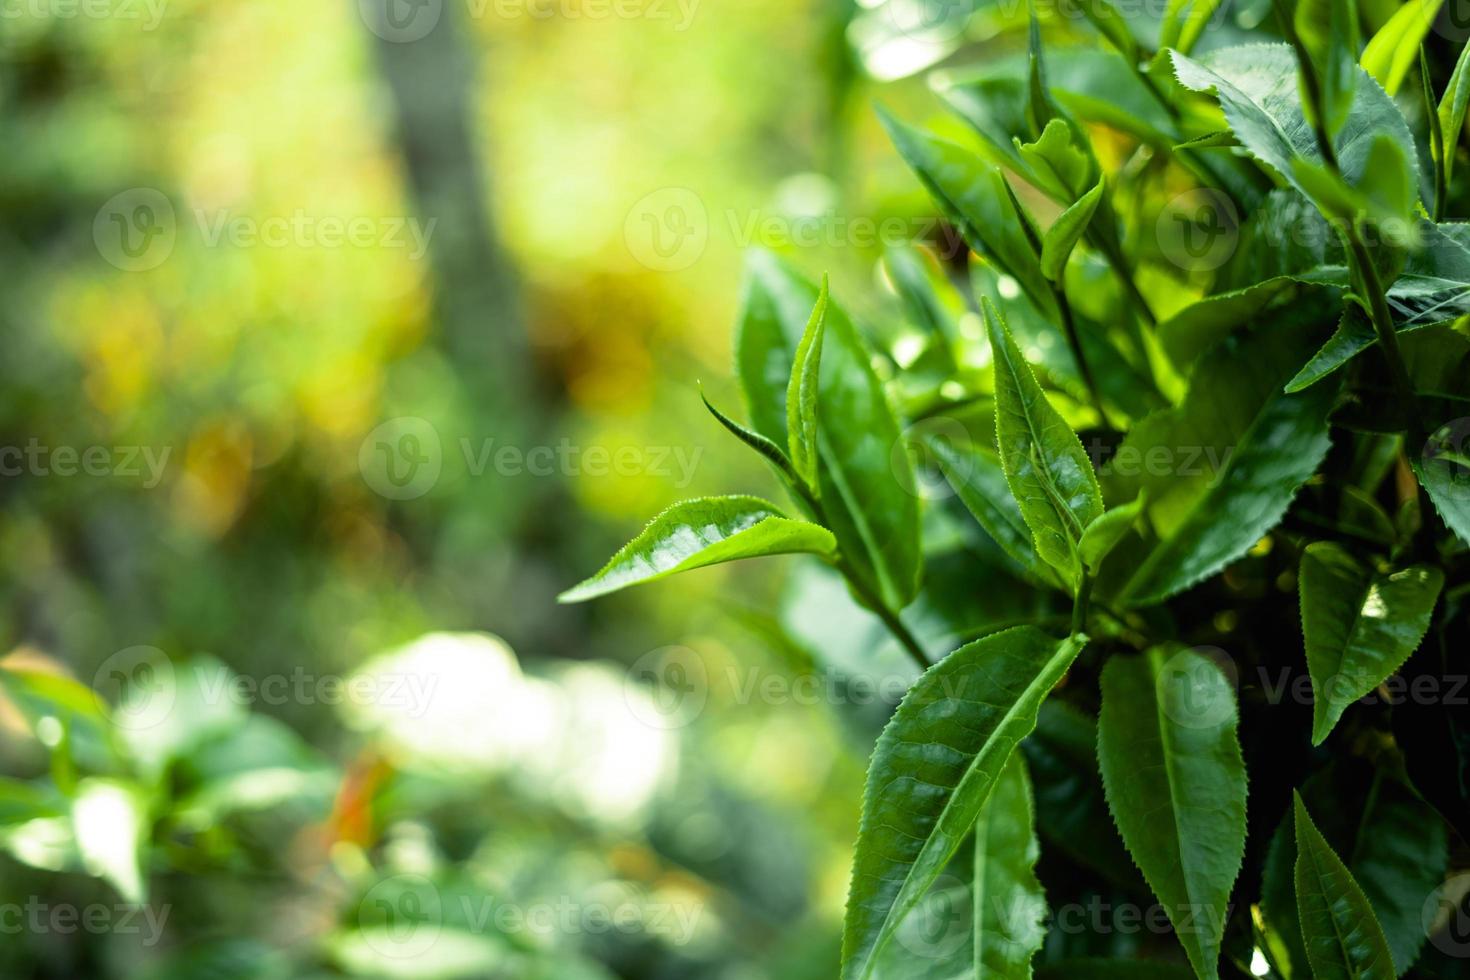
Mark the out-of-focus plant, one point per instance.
(1225, 254)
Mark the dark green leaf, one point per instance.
(1009, 905)
(934, 767)
(1359, 626)
(1176, 785)
(702, 532)
(1444, 472)
(1343, 938)
(1226, 462)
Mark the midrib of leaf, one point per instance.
(1260, 107)
(1342, 947)
(1154, 656)
(1043, 681)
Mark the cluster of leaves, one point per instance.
(1321, 369)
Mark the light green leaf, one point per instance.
(1111, 24)
(1048, 471)
(1102, 535)
(701, 532)
(1226, 462)
(110, 821)
(1452, 108)
(1185, 21)
(1055, 162)
(1343, 938)
(801, 393)
(1391, 52)
(1444, 473)
(979, 480)
(1176, 785)
(1354, 335)
(973, 195)
(1009, 905)
(1328, 30)
(865, 479)
(1066, 231)
(1256, 87)
(934, 767)
(1359, 626)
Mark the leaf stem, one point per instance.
(1079, 606)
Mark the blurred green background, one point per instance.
(339, 338)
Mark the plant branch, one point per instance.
(1074, 340)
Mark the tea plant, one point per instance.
(1229, 259)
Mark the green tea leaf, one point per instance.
(1048, 471)
(1359, 626)
(1066, 232)
(1256, 87)
(110, 821)
(1054, 162)
(1343, 938)
(934, 767)
(979, 480)
(1176, 785)
(801, 394)
(1226, 462)
(1103, 534)
(1391, 52)
(1444, 473)
(1071, 808)
(865, 479)
(772, 452)
(1009, 905)
(1184, 23)
(1396, 848)
(973, 195)
(702, 532)
(1329, 32)
(1452, 108)
(1111, 24)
